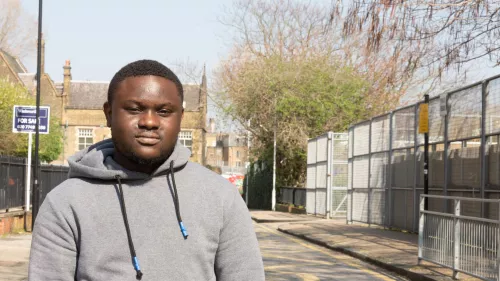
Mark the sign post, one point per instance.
(423, 128)
(23, 121)
(28, 173)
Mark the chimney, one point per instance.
(211, 124)
(42, 58)
(67, 78)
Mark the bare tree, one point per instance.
(441, 34)
(283, 28)
(17, 29)
(289, 67)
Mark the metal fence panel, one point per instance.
(465, 114)
(321, 174)
(361, 139)
(492, 122)
(340, 148)
(379, 170)
(493, 163)
(350, 144)
(465, 167)
(386, 156)
(349, 174)
(436, 123)
(360, 205)
(458, 241)
(311, 152)
(380, 133)
(403, 126)
(403, 168)
(327, 167)
(339, 202)
(12, 182)
(360, 166)
(320, 201)
(311, 201)
(377, 206)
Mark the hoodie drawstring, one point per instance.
(135, 261)
(176, 203)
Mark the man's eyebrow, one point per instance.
(168, 103)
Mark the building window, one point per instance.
(238, 164)
(186, 139)
(238, 154)
(85, 138)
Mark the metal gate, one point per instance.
(327, 175)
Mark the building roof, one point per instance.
(14, 62)
(93, 94)
(87, 94)
(28, 79)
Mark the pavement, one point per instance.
(391, 250)
(287, 258)
(14, 257)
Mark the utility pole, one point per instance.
(273, 195)
(36, 170)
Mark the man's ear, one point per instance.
(107, 112)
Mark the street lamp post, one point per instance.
(273, 194)
(36, 185)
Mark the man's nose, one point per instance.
(149, 120)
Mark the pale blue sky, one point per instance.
(100, 36)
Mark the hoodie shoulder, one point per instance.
(208, 179)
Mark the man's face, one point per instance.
(145, 118)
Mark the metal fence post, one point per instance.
(456, 239)
(369, 171)
(446, 156)
(498, 241)
(421, 229)
(389, 181)
(352, 172)
(415, 170)
(482, 155)
(329, 173)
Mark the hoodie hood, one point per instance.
(96, 162)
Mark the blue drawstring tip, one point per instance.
(136, 264)
(183, 230)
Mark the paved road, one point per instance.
(285, 258)
(14, 257)
(289, 258)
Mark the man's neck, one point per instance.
(133, 166)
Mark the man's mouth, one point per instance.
(148, 139)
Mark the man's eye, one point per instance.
(133, 109)
(164, 111)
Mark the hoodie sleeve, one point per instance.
(238, 256)
(53, 247)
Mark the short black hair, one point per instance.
(144, 68)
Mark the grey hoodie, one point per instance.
(80, 232)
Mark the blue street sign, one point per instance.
(24, 119)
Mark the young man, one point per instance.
(135, 208)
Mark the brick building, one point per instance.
(229, 151)
(78, 104)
